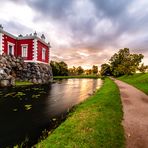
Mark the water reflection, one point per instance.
(26, 111)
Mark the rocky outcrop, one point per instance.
(14, 68)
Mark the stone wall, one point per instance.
(14, 68)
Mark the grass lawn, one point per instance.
(79, 76)
(19, 83)
(95, 123)
(138, 80)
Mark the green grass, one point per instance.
(19, 83)
(138, 80)
(96, 123)
(79, 76)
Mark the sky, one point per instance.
(81, 32)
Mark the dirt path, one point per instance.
(135, 108)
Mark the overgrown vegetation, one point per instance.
(123, 63)
(94, 123)
(138, 80)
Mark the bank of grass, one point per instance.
(138, 80)
(95, 123)
(19, 83)
(79, 76)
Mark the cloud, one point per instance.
(77, 28)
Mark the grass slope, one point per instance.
(79, 76)
(138, 80)
(95, 123)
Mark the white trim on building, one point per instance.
(35, 50)
(1, 43)
(48, 54)
(10, 48)
(36, 61)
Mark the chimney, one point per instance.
(43, 37)
(1, 27)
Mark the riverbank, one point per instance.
(138, 80)
(19, 83)
(94, 123)
(79, 76)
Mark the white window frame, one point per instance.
(43, 53)
(11, 44)
(24, 54)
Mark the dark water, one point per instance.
(28, 110)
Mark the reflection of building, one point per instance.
(30, 47)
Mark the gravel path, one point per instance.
(135, 122)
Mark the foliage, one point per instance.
(79, 70)
(59, 68)
(88, 72)
(105, 69)
(138, 80)
(142, 68)
(124, 63)
(94, 123)
(95, 69)
(72, 71)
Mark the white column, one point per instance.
(49, 55)
(35, 50)
(1, 43)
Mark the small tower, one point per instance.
(35, 34)
(1, 27)
(43, 37)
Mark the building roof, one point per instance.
(20, 37)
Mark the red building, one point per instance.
(31, 47)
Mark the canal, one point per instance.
(28, 110)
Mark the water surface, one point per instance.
(28, 110)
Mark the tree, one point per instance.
(95, 69)
(79, 70)
(123, 62)
(143, 68)
(105, 70)
(72, 71)
(88, 71)
(63, 68)
(55, 68)
(59, 68)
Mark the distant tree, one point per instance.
(88, 71)
(59, 68)
(123, 62)
(95, 69)
(63, 68)
(55, 68)
(142, 68)
(105, 69)
(72, 71)
(79, 70)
